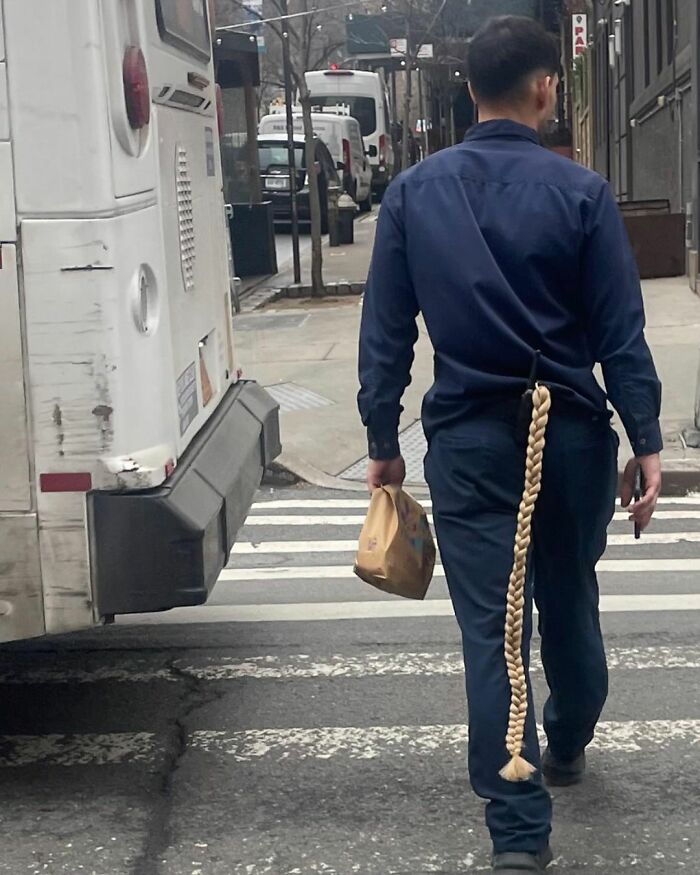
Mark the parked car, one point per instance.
(341, 134)
(275, 176)
(367, 99)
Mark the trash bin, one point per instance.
(253, 239)
(342, 230)
(657, 236)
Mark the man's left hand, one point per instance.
(391, 472)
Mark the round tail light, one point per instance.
(136, 90)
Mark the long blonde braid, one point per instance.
(518, 769)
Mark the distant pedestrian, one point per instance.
(507, 249)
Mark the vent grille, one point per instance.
(185, 218)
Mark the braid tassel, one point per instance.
(518, 769)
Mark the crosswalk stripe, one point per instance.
(344, 572)
(352, 503)
(380, 741)
(303, 666)
(253, 548)
(323, 743)
(358, 519)
(377, 610)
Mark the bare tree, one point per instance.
(313, 33)
(423, 20)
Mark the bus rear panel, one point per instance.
(132, 451)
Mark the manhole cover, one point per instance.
(413, 449)
(269, 321)
(291, 397)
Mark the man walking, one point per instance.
(509, 250)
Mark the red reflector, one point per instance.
(80, 482)
(169, 468)
(136, 90)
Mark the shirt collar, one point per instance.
(502, 129)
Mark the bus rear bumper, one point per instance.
(165, 547)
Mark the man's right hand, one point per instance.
(641, 511)
(386, 473)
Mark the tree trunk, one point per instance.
(314, 199)
(406, 119)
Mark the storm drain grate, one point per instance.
(413, 449)
(291, 397)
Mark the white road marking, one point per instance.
(376, 610)
(352, 503)
(302, 666)
(372, 742)
(344, 572)
(89, 749)
(282, 520)
(251, 548)
(322, 743)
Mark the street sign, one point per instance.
(398, 48)
(579, 35)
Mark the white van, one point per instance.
(366, 96)
(341, 134)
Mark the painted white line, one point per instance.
(323, 743)
(89, 749)
(303, 666)
(344, 572)
(251, 548)
(376, 610)
(367, 743)
(353, 503)
(282, 520)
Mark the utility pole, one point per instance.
(291, 152)
(424, 121)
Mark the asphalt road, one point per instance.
(304, 723)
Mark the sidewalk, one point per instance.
(306, 353)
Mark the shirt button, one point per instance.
(643, 442)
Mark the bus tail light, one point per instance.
(347, 158)
(212, 19)
(136, 89)
(220, 109)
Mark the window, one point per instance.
(183, 23)
(364, 109)
(276, 155)
(659, 36)
(647, 47)
(670, 31)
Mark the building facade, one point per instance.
(635, 103)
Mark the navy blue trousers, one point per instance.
(475, 471)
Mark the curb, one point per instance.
(677, 482)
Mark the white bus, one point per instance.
(131, 450)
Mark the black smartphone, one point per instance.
(637, 496)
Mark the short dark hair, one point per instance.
(504, 52)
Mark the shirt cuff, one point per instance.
(648, 439)
(383, 447)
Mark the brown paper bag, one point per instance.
(396, 552)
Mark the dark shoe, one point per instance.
(563, 773)
(515, 864)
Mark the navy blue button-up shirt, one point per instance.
(505, 248)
